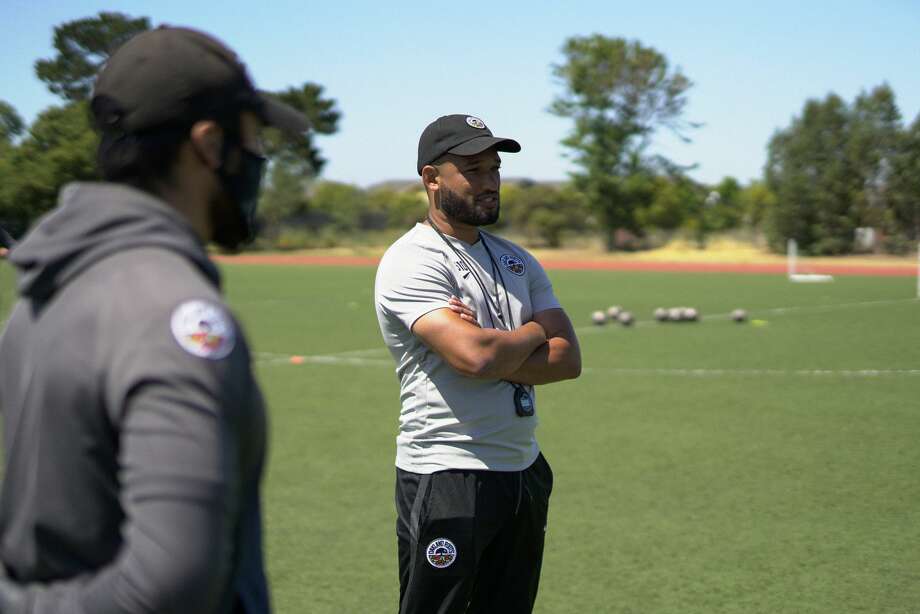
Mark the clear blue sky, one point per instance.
(393, 67)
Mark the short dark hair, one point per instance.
(144, 158)
(139, 159)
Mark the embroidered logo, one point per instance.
(513, 264)
(475, 122)
(441, 553)
(464, 268)
(203, 329)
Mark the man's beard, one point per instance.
(457, 209)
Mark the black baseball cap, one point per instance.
(463, 135)
(171, 75)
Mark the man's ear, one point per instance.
(207, 139)
(430, 176)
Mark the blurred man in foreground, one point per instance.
(135, 433)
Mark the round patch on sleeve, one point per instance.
(203, 329)
(513, 264)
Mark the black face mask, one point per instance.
(242, 188)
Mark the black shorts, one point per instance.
(471, 541)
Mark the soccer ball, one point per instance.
(675, 313)
(661, 314)
(625, 318)
(691, 314)
(614, 312)
(739, 315)
(599, 318)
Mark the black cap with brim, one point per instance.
(173, 75)
(281, 116)
(482, 143)
(462, 135)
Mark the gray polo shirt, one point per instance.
(449, 421)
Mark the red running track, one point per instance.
(776, 268)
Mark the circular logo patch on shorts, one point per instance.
(203, 329)
(441, 553)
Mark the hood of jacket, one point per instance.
(94, 221)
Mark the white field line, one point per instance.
(378, 357)
(852, 373)
(775, 311)
(268, 358)
(337, 360)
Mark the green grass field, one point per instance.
(700, 468)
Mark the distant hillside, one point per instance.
(400, 185)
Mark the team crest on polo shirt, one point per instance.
(441, 553)
(513, 264)
(475, 122)
(203, 329)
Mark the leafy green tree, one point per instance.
(543, 211)
(296, 162)
(337, 205)
(397, 209)
(60, 147)
(904, 189)
(284, 201)
(300, 155)
(11, 124)
(728, 213)
(82, 46)
(835, 168)
(618, 93)
(673, 199)
(814, 179)
(756, 201)
(874, 137)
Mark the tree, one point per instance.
(728, 213)
(814, 180)
(337, 205)
(833, 170)
(83, 45)
(756, 201)
(60, 147)
(11, 125)
(874, 136)
(284, 201)
(300, 154)
(904, 188)
(673, 199)
(543, 211)
(398, 209)
(296, 162)
(618, 93)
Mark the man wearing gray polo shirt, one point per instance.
(472, 323)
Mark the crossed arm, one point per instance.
(542, 351)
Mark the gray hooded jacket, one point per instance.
(134, 431)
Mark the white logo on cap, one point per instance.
(475, 122)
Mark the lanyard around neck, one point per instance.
(491, 304)
(523, 400)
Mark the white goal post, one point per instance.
(792, 257)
